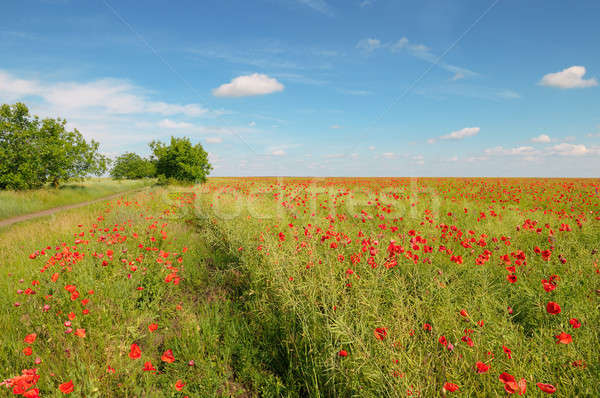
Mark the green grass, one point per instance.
(16, 203)
(266, 316)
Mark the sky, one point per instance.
(320, 87)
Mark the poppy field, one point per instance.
(331, 287)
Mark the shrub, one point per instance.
(132, 166)
(180, 161)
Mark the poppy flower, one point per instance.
(148, 367)
(27, 351)
(507, 351)
(464, 313)
(427, 327)
(135, 351)
(152, 327)
(179, 384)
(343, 353)
(80, 333)
(450, 387)
(30, 338)
(380, 333)
(482, 367)
(575, 323)
(168, 357)
(553, 308)
(547, 388)
(66, 388)
(563, 338)
(442, 340)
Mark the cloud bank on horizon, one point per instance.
(372, 88)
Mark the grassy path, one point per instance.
(47, 212)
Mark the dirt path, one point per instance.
(47, 212)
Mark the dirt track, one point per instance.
(47, 212)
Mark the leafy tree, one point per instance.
(181, 161)
(34, 152)
(132, 166)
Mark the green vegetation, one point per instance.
(180, 161)
(132, 166)
(16, 203)
(329, 288)
(34, 152)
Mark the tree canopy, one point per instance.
(34, 152)
(132, 166)
(180, 160)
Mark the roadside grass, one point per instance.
(16, 203)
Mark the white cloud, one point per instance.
(388, 155)
(371, 148)
(278, 152)
(366, 3)
(112, 96)
(214, 140)
(252, 124)
(369, 45)
(462, 133)
(568, 78)
(170, 124)
(248, 85)
(517, 151)
(543, 138)
(565, 149)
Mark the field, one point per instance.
(336, 287)
(16, 203)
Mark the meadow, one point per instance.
(332, 287)
(16, 203)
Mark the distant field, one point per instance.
(16, 203)
(336, 287)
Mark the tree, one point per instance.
(181, 161)
(34, 152)
(132, 166)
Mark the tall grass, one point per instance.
(15, 203)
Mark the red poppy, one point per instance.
(442, 340)
(152, 327)
(27, 351)
(563, 338)
(135, 351)
(507, 351)
(464, 313)
(450, 387)
(30, 338)
(343, 353)
(547, 388)
(148, 367)
(168, 357)
(80, 332)
(66, 388)
(575, 323)
(553, 308)
(179, 384)
(380, 333)
(482, 367)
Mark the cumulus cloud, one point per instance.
(568, 78)
(565, 149)
(462, 133)
(113, 96)
(249, 85)
(542, 138)
(517, 151)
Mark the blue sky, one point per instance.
(320, 87)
